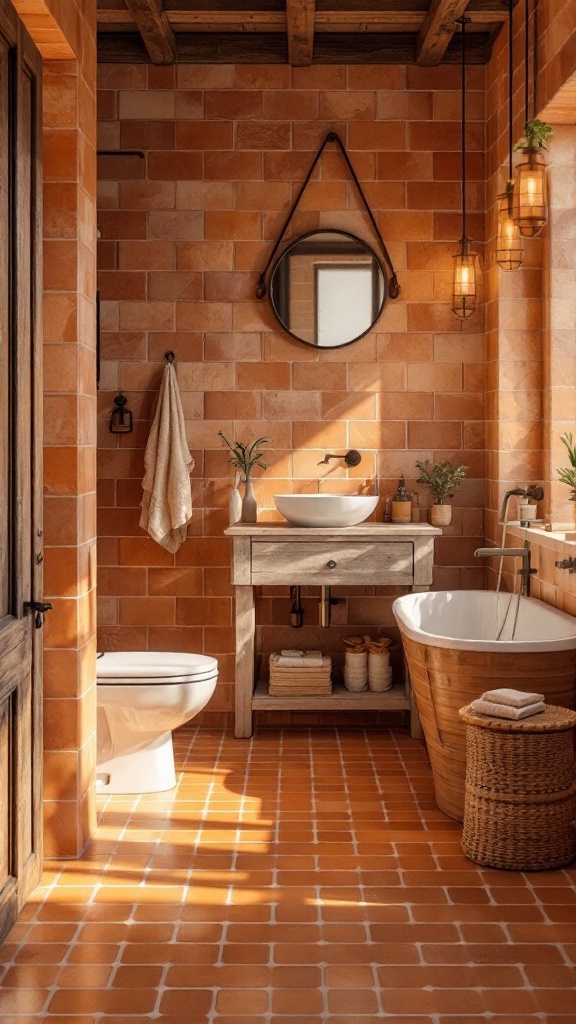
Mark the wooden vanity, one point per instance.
(371, 554)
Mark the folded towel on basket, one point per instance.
(486, 707)
(513, 698)
(167, 499)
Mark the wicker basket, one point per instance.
(520, 809)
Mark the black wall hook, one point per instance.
(169, 357)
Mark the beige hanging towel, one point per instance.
(167, 499)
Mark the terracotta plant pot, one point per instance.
(441, 515)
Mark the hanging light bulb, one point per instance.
(464, 276)
(509, 248)
(464, 282)
(530, 203)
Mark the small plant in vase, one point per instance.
(568, 476)
(244, 457)
(442, 480)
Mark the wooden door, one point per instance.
(20, 467)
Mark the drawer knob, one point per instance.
(331, 564)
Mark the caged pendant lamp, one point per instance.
(509, 245)
(464, 279)
(530, 202)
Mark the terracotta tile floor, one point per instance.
(297, 878)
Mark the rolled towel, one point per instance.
(512, 698)
(486, 707)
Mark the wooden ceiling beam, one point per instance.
(155, 29)
(271, 48)
(300, 28)
(437, 30)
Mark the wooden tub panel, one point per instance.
(445, 681)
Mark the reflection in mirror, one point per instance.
(328, 288)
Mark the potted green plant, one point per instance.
(568, 476)
(244, 457)
(442, 480)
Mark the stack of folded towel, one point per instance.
(505, 703)
(300, 674)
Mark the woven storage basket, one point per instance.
(520, 806)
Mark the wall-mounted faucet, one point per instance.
(524, 553)
(351, 458)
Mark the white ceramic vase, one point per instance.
(249, 504)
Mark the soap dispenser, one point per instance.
(401, 504)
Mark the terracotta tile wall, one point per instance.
(530, 318)
(514, 371)
(69, 433)
(185, 233)
(550, 584)
(560, 318)
(557, 47)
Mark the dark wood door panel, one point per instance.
(20, 466)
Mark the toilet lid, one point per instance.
(153, 666)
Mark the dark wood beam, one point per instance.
(300, 30)
(271, 48)
(437, 30)
(486, 10)
(155, 29)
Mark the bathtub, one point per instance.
(453, 656)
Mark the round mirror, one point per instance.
(328, 288)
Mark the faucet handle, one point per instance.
(566, 563)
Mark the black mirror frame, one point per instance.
(354, 238)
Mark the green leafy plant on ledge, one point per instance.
(568, 476)
(442, 480)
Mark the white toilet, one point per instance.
(142, 696)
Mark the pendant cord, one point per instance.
(535, 59)
(462, 21)
(526, 61)
(510, 86)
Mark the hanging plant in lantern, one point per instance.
(530, 205)
(530, 201)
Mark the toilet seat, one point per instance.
(153, 668)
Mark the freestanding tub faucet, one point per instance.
(524, 553)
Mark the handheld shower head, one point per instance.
(534, 492)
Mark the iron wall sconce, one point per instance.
(121, 418)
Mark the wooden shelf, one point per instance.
(340, 699)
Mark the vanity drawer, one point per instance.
(343, 562)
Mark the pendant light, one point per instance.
(530, 204)
(509, 246)
(464, 280)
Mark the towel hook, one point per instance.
(170, 357)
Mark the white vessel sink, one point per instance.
(325, 509)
